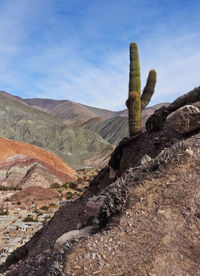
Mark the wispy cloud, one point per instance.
(79, 50)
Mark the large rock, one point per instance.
(185, 119)
(75, 234)
(94, 204)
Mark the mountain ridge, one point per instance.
(21, 122)
(110, 125)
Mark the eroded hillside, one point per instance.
(20, 122)
(11, 148)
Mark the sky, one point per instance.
(79, 49)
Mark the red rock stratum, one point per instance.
(10, 148)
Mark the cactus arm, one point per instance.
(149, 89)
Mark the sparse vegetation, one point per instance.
(29, 218)
(45, 208)
(4, 211)
(72, 185)
(52, 205)
(55, 186)
(7, 199)
(65, 185)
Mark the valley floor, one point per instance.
(18, 223)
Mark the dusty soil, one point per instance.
(30, 195)
(159, 232)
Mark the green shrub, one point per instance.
(55, 186)
(65, 185)
(72, 185)
(29, 218)
(3, 188)
(44, 207)
(78, 189)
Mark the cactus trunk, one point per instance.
(136, 102)
(134, 74)
(134, 111)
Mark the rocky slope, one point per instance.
(23, 165)
(158, 232)
(153, 208)
(20, 122)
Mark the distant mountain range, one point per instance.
(75, 132)
(21, 122)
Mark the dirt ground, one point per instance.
(158, 234)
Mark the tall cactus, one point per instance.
(135, 102)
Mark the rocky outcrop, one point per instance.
(156, 121)
(185, 119)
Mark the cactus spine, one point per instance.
(136, 102)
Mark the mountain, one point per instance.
(72, 130)
(115, 129)
(20, 171)
(111, 125)
(24, 165)
(67, 111)
(112, 130)
(21, 122)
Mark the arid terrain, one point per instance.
(158, 232)
(139, 215)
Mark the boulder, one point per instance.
(145, 159)
(69, 236)
(94, 204)
(185, 119)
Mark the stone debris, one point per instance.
(145, 159)
(71, 235)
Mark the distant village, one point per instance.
(19, 223)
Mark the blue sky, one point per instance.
(79, 49)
